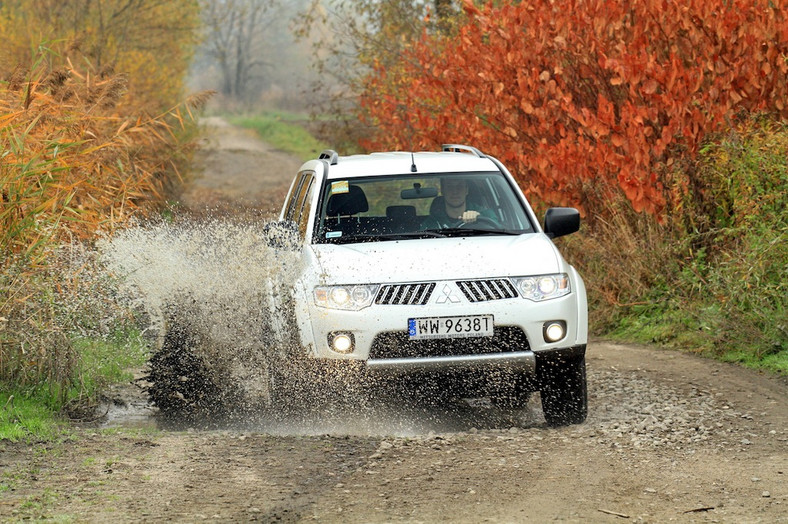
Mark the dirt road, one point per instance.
(235, 171)
(669, 437)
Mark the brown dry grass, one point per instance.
(75, 159)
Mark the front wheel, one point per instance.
(181, 384)
(564, 391)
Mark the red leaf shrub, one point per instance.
(587, 100)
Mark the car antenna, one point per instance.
(412, 164)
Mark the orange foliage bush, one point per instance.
(70, 163)
(587, 100)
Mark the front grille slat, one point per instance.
(404, 294)
(497, 286)
(425, 294)
(478, 292)
(389, 294)
(482, 290)
(407, 297)
(465, 288)
(398, 295)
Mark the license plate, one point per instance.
(450, 327)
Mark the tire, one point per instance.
(564, 391)
(181, 384)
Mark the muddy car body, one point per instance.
(485, 307)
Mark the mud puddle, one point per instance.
(384, 417)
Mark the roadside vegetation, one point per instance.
(714, 283)
(664, 124)
(92, 131)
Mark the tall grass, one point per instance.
(75, 161)
(713, 278)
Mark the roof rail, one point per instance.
(458, 148)
(330, 155)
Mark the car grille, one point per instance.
(405, 294)
(481, 290)
(397, 344)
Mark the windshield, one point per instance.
(419, 206)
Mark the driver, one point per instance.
(454, 210)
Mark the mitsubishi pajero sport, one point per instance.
(432, 265)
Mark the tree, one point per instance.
(351, 37)
(236, 32)
(149, 41)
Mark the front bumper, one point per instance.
(380, 331)
(519, 361)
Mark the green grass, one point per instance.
(696, 331)
(28, 415)
(36, 413)
(106, 361)
(776, 363)
(284, 131)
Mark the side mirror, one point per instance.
(560, 221)
(281, 234)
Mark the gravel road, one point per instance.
(669, 437)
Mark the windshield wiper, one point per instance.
(415, 234)
(391, 236)
(460, 231)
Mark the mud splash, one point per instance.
(229, 270)
(216, 298)
(217, 285)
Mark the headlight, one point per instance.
(351, 298)
(542, 287)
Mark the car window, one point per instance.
(406, 206)
(386, 192)
(305, 206)
(295, 197)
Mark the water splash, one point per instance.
(216, 296)
(218, 285)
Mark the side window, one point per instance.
(294, 199)
(302, 216)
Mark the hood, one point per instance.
(436, 259)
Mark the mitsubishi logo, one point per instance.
(447, 296)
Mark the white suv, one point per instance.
(433, 265)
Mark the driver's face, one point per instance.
(454, 191)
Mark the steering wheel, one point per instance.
(489, 222)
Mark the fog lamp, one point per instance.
(554, 331)
(341, 342)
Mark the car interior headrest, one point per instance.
(350, 203)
